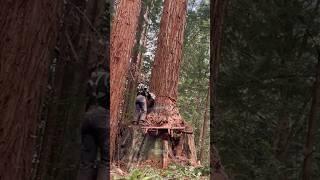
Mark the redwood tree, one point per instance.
(28, 33)
(123, 30)
(165, 71)
(203, 130)
(217, 13)
(78, 51)
(165, 77)
(136, 63)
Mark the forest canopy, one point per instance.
(266, 88)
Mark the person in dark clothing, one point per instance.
(94, 130)
(151, 97)
(144, 103)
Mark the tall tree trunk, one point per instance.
(203, 131)
(123, 30)
(217, 14)
(165, 77)
(312, 127)
(165, 71)
(134, 70)
(28, 33)
(78, 51)
(166, 66)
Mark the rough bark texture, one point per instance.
(203, 131)
(217, 13)
(124, 26)
(165, 71)
(312, 127)
(165, 78)
(156, 148)
(166, 66)
(78, 49)
(28, 33)
(139, 148)
(135, 66)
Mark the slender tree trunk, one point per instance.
(139, 64)
(312, 127)
(123, 30)
(134, 70)
(203, 131)
(28, 33)
(217, 14)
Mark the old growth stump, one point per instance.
(157, 146)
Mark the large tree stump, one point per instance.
(138, 148)
(158, 146)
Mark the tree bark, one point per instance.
(166, 66)
(312, 127)
(78, 51)
(203, 131)
(135, 65)
(28, 33)
(217, 15)
(165, 72)
(124, 26)
(165, 76)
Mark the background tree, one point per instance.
(123, 30)
(81, 45)
(194, 73)
(134, 74)
(217, 15)
(264, 88)
(28, 33)
(203, 131)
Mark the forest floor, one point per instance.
(152, 173)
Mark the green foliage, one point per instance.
(173, 172)
(143, 175)
(194, 72)
(266, 76)
(179, 172)
(153, 28)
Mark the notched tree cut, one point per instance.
(166, 113)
